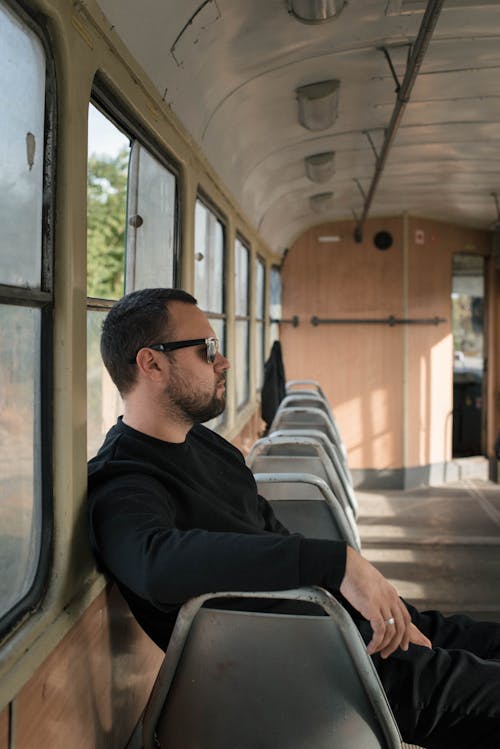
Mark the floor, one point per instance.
(440, 546)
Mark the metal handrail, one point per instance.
(391, 321)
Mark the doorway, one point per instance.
(467, 302)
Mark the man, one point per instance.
(174, 513)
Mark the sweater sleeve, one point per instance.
(133, 533)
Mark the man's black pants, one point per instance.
(448, 696)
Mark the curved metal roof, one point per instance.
(230, 69)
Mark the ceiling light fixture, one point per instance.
(318, 104)
(315, 11)
(321, 166)
(322, 202)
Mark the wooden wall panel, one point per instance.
(387, 421)
(359, 366)
(90, 691)
(4, 728)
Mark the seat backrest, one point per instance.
(267, 681)
(297, 400)
(286, 444)
(270, 460)
(310, 386)
(305, 504)
(313, 519)
(293, 419)
(265, 463)
(294, 400)
(303, 418)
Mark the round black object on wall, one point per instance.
(382, 240)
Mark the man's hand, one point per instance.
(417, 638)
(378, 601)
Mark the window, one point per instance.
(242, 317)
(209, 276)
(151, 224)
(275, 302)
(108, 161)
(131, 242)
(22, 149)
(26, 185)
(260, 314)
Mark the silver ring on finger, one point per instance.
(391, 620)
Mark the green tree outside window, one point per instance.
(106, 224)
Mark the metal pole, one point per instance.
(427, 26)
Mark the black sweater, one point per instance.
(171, 521)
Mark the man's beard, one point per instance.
(191, 406)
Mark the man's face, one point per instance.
(196, 389)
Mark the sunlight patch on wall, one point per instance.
(441, 392)
(349, 416)
(378, 410)
(435, 402)
(422, 420)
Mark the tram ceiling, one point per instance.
(230, 70)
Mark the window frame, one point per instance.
(212, 207)
(202, 197)
(42, 299)
(244, 318)
(260, 320)
(274, 322)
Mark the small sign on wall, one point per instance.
(419, 236)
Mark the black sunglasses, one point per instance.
(212, 345)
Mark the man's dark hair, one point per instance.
(138, 319)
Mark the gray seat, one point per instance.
(312, 400)
(263, 464)
(305, 504)
(308, 446)
(306, 400)
(311, 386)
(241, 680)
(312, 416)
(309, 399)
(293, 419)
(333, 451)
